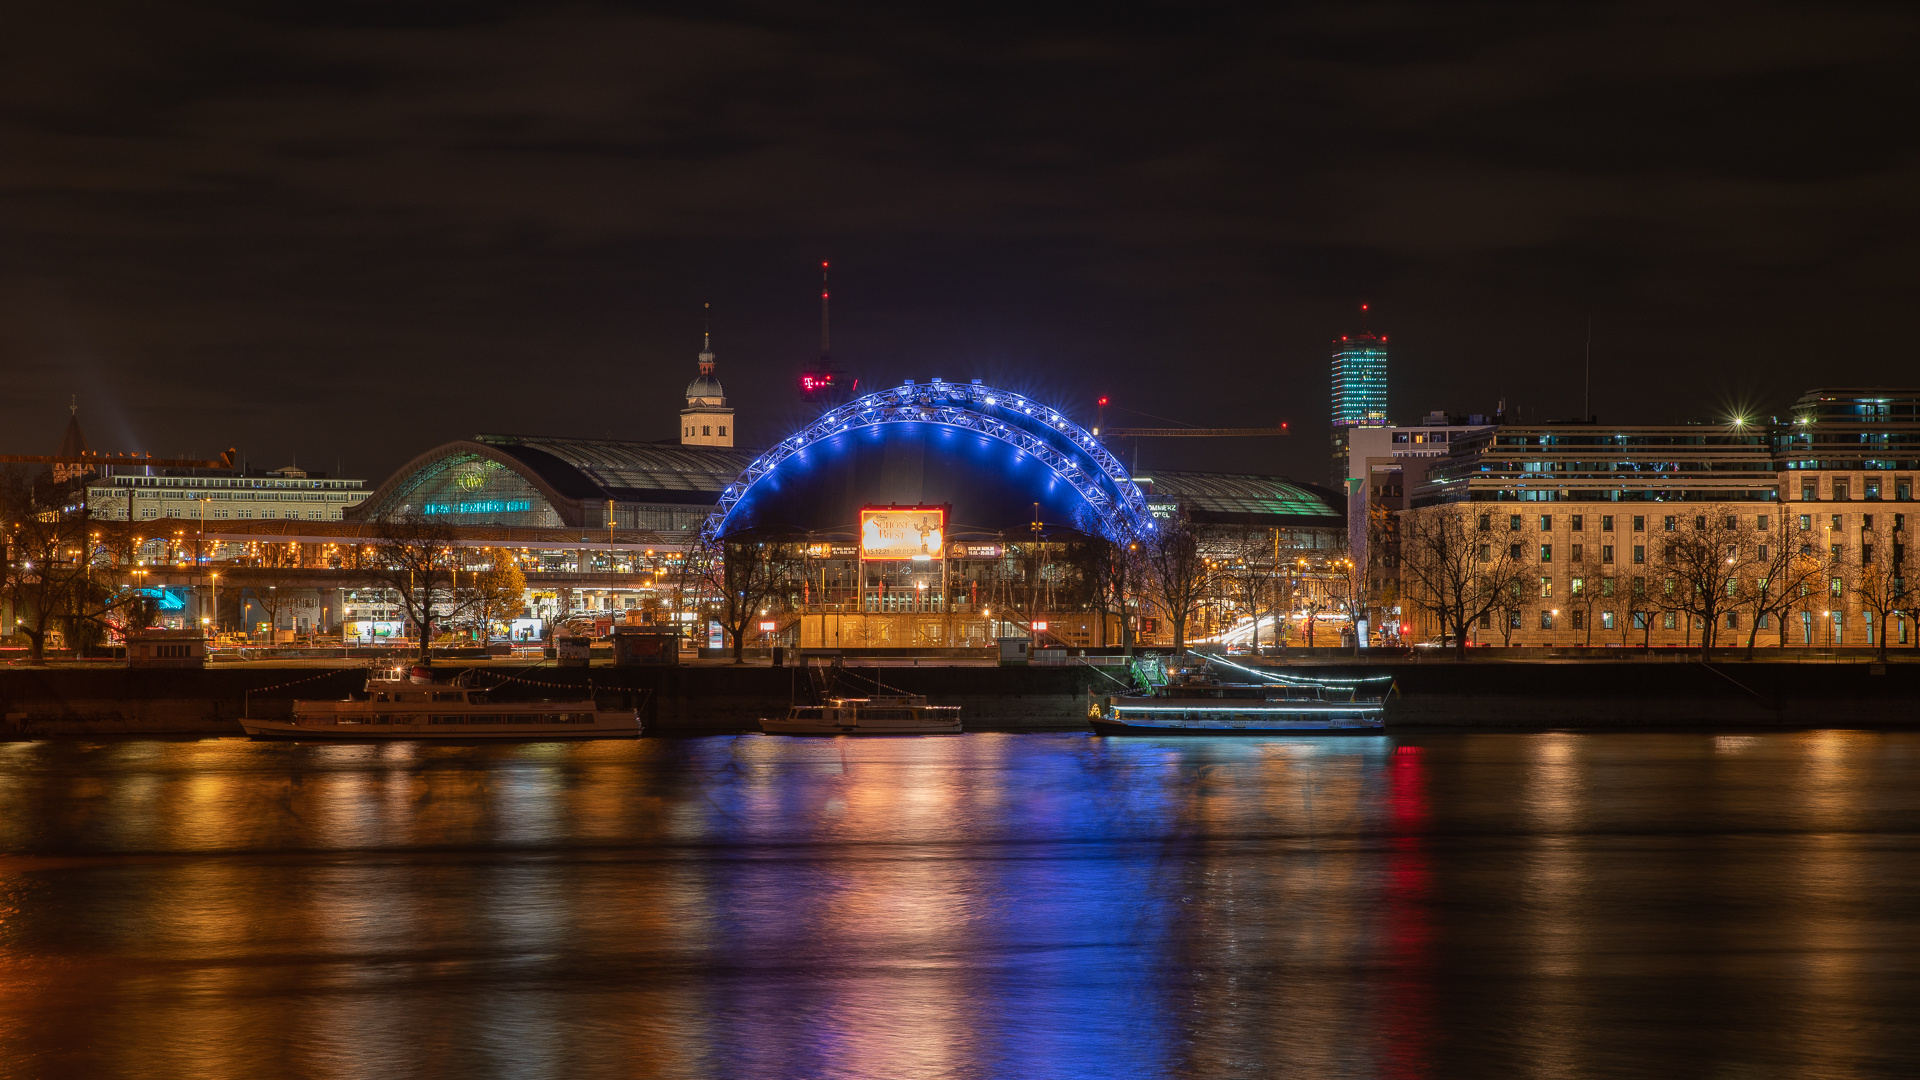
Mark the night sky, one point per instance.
(352, 231)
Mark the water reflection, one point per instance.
(985, 906)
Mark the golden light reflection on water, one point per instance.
(1555, 888)
(998, 905)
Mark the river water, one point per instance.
(993, 905)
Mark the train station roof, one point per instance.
(1239, 499)
(636, 472)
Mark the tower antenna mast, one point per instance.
(1587, 400)
(825, 353)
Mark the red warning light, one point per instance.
(1103, 402)
(1363, 307)
(823, 265)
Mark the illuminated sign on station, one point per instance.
(482, 506)
(902, 532)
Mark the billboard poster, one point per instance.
(902, 532)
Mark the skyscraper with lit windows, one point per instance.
(1359, 392)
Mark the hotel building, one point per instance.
(1587, 505)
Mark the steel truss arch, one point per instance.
(1119, 508)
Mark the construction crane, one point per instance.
(1187, 432)
(1103, 431)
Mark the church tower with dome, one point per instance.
(706, 421)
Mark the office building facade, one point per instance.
(1359, 395)
(1593, 512)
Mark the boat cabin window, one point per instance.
(382, 697)
(447, 695)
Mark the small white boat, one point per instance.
(395, 708)
(1190, 703)
(900, 714)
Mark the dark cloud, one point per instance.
(359, 229)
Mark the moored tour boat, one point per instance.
(1191, 703)
(396, 708)
(898, 714)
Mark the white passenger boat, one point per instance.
(396, 708)
(899, 714)
(1192, 703)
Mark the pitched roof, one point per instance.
(73, 443)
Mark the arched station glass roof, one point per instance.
(526, 480)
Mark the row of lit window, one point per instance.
(1840, 489)
(1837, 552)
(149, 512)
(1835, 633)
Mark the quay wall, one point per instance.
(690, 700)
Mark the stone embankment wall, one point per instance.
(681, 700)
(1649, 694)
(690, 700)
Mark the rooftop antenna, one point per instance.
(74, 408)
(706, 339)
(1587, 409)
(825, 353)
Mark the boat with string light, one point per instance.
(1194, 701)
(879, 714)
(400, 705)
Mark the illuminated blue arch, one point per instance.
(1117, 509)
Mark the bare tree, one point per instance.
(1455, 567)
(1109, 571)
(54, 570)
(1705, 554)
(414, 558)
(274, 587)
(1781, 571)
(1380, 570)
(1250, 556)
(1508, 607)
(747, 576)
(1176, 572)
(1348, 579)
(1582, 597)
(1878, 583)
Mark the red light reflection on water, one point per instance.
(1407, 1022)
